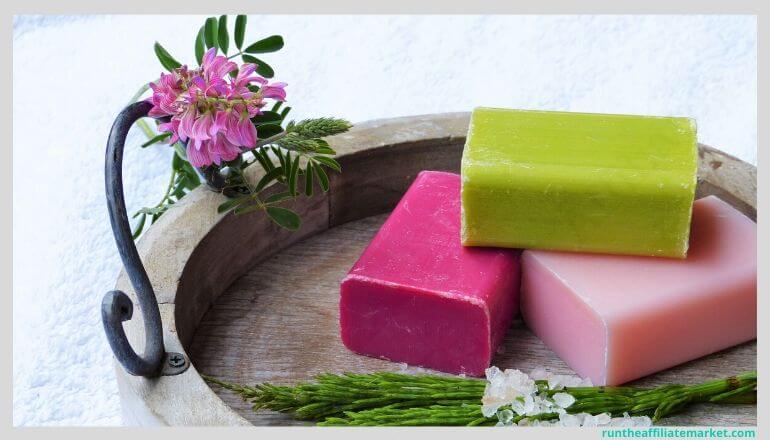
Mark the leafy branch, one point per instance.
(299, 150)
(393, 399)
(284, 153)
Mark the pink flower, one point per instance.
(274, 91)
(211, 110)
(240, 130)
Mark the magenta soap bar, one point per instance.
(618, 318)
(416, 295)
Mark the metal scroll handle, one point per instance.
(117, 307)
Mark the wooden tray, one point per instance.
(249, 302)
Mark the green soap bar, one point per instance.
(580, 182)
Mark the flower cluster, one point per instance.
(511, 392)
(212, 114)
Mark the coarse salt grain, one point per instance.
(563, 400)
(519, 391)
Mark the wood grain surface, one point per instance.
(278, 323)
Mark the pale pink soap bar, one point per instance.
(416, 295)
(618, 318)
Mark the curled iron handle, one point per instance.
(116, 305)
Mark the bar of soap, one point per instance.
(416, 295)
(579, 182)
(617, 318)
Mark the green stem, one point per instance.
(143, 125)
(169, 187)
(139, 93)
(262, 143)
(270, 140)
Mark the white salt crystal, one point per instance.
(520, 382)
(563, 400)
(570, 420)
(523, 406)
(621, 422)
(629, 422)
(592, 421)
(603, 419)
(505, 417)
(642, 421)
(517, 389)
(489, 410)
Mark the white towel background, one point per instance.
(72, 75)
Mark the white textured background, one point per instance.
(71, 76)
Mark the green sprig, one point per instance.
(393, 399)
(285, 154)
(318, 127)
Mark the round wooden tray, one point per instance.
(249, 302)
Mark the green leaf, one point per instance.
(288, 161)
(180, 186)
(277, 106)
(144, 126)
(325, 150)
(309, 180)
(285, 218)
(211, 32)
(193, 178)
(156, 211)
(200, 45)
(139, 226)
(321, 143)
(247, 208)
(266, 130)
(266, 117)
(156, 139)
(224, 36)
(292, 178)
(233, 203)
(268, 177)
(177, 163)
(240, 30)
(165, 58)
(279, 197)
(285, 112)
(279, 155)
(329, 162)
(266, 164)
(263, 68)
(272, 43)
(180, 151)
(323, 179)
(266, 158)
